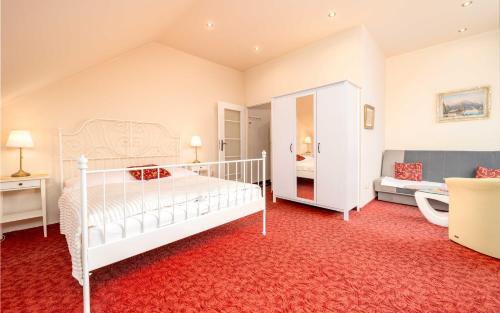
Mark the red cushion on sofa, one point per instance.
(300, 158)
(150, 173)
(408, 171)
(484, 172)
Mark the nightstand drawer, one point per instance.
(13, 185)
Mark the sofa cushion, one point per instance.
(408, 171)
(484, 172)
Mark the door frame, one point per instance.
(300, 94)
(221, 106)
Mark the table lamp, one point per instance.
(20, 139)
(307, 141)
(196, 142)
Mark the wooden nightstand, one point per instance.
(36, 181)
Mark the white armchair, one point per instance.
(474, 213)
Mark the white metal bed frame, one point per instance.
(104, 143)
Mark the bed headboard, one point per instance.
(110, 143)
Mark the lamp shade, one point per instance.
(195, 141)
(307, 139)
(20, 139)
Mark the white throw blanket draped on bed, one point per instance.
(194, 195)
(410, 184)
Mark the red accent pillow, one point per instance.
(300, 158)
(150, 173)
(484, 172)
(408, 171)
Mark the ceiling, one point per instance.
(43, 41)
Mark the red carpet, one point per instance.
(386, 259)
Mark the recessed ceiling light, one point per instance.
(256, 49)
(461, 30)
(466, 3)
(210, 25)
(331, 14)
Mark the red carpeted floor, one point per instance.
(386, 259)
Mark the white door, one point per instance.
(231, 138)
(331, 147)
(283, 140)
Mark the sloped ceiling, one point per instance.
(43, 41)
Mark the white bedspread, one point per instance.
(307, 164)
(410, 184)
(193, 196)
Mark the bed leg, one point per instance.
(83, 165)
(346, 215)
(86, 293)
(264, 192)
(274, 198)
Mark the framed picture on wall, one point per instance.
(466, 104)
(369, 116)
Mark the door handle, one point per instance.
(291, 147)
(319, 145)
(222, 143)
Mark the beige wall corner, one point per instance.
(372, 93)
(153, 83)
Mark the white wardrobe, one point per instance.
(315, 146)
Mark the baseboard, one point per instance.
(368, 202)
(21, 225)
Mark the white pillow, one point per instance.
(95, 179)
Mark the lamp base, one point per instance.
(196, 161)
(20, 173)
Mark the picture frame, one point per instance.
(369, 113)
(464, 104)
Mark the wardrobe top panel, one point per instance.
(311, 89)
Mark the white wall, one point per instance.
(350, 55)
(259, 135)
(413, 81)
(151, 83)
(329, 60)
(372, 93)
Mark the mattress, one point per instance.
(180, 198)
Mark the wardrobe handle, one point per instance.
(319, 145)
(222, 143)
(291, 148)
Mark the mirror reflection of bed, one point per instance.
(305, 177)
(305, 162)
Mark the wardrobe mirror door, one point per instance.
(305, 165)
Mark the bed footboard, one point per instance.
(236, 190)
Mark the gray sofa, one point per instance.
(437, 165)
